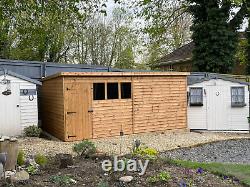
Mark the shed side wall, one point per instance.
(160, 103)
(53, 107)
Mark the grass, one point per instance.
(239, 171)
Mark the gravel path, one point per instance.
(160, 141)
(231, 151)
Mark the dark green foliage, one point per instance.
(85, 148)
(215, 38)
(41, 159)
(32, 131)
(62, 180)
(21, 158)
(248, 50)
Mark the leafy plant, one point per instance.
(62, 180)
(103, 184)
(161, 177)
(20, 158)
(32, 170)
(147, 152)
(32, 131)
(41, 159)
(85, 148)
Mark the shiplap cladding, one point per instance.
(217, 112)
(14, 119)
(158, 103)
(52, 100)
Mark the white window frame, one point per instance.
(238, 104)
(191, 95)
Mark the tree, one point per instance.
(214, 36)
(248, 44)
(167, 24)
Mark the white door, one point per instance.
(10, 111)
(217, 108)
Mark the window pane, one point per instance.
(196, 96)
(112, 90)
(238, 96)
(99, 91)
(126, 90)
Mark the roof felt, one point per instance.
(115, 74)
(198, 77)
(20, 77)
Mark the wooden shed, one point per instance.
(77, 106)
(18, 103)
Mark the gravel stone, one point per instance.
(160, 141)
(229, 151)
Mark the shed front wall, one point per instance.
(226, 117)
(158, 103)
(28, 114)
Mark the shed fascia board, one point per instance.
(115, 74)
(21, 77)
(222, 78)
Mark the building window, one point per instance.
(238, 96)
(99, 91)
(125, 90)
(196, 97)
(112, 91)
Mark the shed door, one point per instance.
(77, 102)
(217, 108)
(10, 111)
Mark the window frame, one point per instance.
(118, 90)
(93, 92)
(242, 104)
(195, 104)
(123, 82)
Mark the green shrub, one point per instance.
(32, 131)
(145, 152)
(41, 159)
(32, 170)
(161, 177)
(62, 180)
(103, 184)
(85, 148)
(20, 158)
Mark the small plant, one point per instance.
(32, 170)
(62, 180)
(103, 184)
(147, 152)
(32, 131)
(21, 158)
(161, 177)
(41, 160)
(85, 148)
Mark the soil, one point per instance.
(88, 172)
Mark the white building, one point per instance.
(18, 103)
(218, 103)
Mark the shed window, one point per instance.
(112, 91)
(238, 96)
(196, 97)
(99, 91)
(125, 90)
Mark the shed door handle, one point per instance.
(71, 112)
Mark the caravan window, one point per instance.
(238, 96)
(196, 97)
